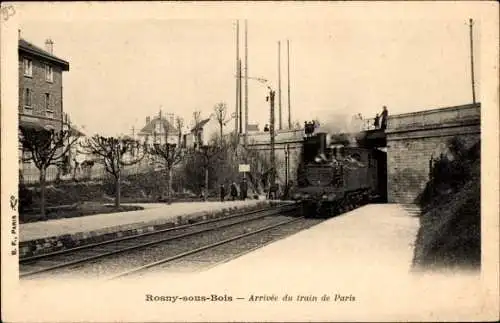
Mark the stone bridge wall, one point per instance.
(413, 138)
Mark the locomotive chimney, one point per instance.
(321, 142)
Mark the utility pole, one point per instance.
(237, 78)
(271, 133)
(246, 84)
(279, 85)
(240, 96)
(288, 83)
(287, 161)
(472, 62)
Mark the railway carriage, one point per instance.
(335, 178)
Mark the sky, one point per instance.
(122, 71)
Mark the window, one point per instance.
(48, 109)
(47, 101)
(27, 98)
(49, 75)
(28, 67)
(158, 127)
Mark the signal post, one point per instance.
(271, 133)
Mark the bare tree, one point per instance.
(179, 123)
(196, 127)
(46, 148)
(114, 153)
(209, 153)
(167, 154)
(220, 111)
(196, 118)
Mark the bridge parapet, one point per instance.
(281, 137)
(457, 115)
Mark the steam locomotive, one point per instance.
(335, 177)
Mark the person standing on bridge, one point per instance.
(384, 116)
(376, 122)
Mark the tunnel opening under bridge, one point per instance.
(376, 140)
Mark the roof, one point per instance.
(76, 132)
(253, 127)
(200, 125)
(29, 48)
(150, 126)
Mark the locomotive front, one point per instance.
(333, 179)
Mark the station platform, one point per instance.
(367, 241)
(362, 260)
(354, 267)
(52, 235)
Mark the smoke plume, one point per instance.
(338, 123)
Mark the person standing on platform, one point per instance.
(234, 191)
(222, 192)
(244, 189)
(384, 116)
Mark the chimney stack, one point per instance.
(148, 120)
(49, 46)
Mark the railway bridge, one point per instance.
(410, 141)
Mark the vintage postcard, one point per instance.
(249, 161)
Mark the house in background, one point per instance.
(159, 130)
(198, 134)
(204, 132)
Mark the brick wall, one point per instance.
(408, 164)
(39, 86)
(413, 138)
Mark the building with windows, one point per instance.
(159, 130)
(40, 86)
(40, 104)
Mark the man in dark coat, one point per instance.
(234, 191)
(243, 189)
(376, 123)
(222, 192)
(384, 116)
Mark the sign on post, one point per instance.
(243, 168)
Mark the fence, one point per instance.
(30, 175)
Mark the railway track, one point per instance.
(126, 254)
(211, 255)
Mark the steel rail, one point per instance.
(185, 226)
(151, 243)
(188, 253)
